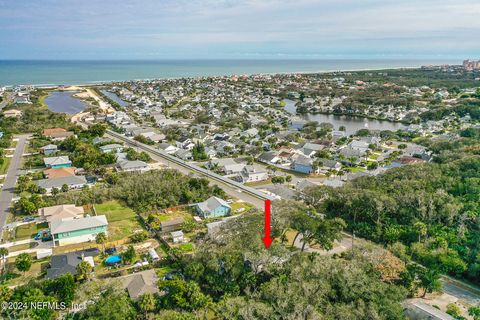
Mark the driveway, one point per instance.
(6, 195)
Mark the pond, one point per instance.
(351, 124)
(112, 96)
(63, 101)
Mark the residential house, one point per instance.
(338, 135)
(61, 172)
(279, 192)
(251, 174)
(184, 154)
(224, 147)
(351, 155)
(57, 133)
(252, 132)
(185, 143)
(12, 113)
(73, 182)
(213, 207)
(62, 211)
(359, 145)
(221, 136)
(111, 148)
(177, 236)
(77, 230)
(310, 149)
(303, 184)
(57, 162)
(98, 140)
(226, 166)
(156, 137)
(67, 263)
(302, 164)
(270, 157)
(131, 166)
(138, 284)
(49, 149)
(325, 165)
(171, 225)
(334, 183)
(168, 148)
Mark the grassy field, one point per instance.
(28, 231)
(25, 246)
(258, 183)
(238, 205)
(122, 221)
(14, 277)
(4, 166)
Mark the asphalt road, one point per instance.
(463, 291)
(6, 194)
(228, 188)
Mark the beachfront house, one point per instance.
(213, 207)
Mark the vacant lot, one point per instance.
(122, 221)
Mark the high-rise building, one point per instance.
(471, 65)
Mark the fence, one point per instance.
(88, 245)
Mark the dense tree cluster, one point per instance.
(151, 190)
(85, 155)
(431, 208)
(35, 117)
(236, 278)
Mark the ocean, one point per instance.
(38, 72)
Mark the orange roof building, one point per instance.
(53, 173)
(56, 133)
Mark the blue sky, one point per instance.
(200, 29)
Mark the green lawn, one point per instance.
(122, 221)
(238, 205)
(355, 169)
(5, 164)
(27, 231)
(186, 247)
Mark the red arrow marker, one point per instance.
(267, 240)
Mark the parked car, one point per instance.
(28, 219)
(111, 250)
(40, 234)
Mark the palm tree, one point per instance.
(101, 238)
(147, 303)
(83, 270)
(3, 256)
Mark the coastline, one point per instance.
(98, 83)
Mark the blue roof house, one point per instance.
(213, 207)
